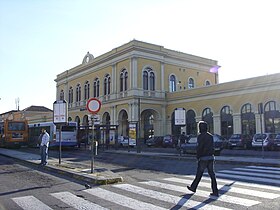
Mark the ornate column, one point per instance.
(259, 123)
(236, 123)
(162, 76)
(133, 73)
(217, 124)
(114, 115)
(114, 78)
(163, 119)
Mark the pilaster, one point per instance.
(236, 123)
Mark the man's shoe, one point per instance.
(191, 189)
(215, 194)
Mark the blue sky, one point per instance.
(42, 38)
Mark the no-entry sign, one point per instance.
(93, 105)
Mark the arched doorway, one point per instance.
(123, 123)
(175, 129)
(77, 119)
(226, 122)
(85, 120)
(150, 124)
(191, 123)
(106, 128)
(271, 117)
(207, 116)
(248, 122)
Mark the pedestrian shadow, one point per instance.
(182, 201)
(223, 190)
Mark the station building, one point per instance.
(167, 92)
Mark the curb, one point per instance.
(193, 158)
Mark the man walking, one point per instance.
(205, 157)
(45, 138)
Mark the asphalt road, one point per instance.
(140, 175)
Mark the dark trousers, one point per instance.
(202, 165)
(44, 154)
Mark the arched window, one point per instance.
(152, 81)
(191, 83)
(96, 88)
(86, 91)
(191, 123)
(78, 93)
(207, 83)
(123, 80)
(172, 83)
(148, 79)
(61, 95)
(145, 80)
(226, 122)
(270, 106)
(271, 117)
(70, 95)
(107, 84)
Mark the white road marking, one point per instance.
(176, 200)
(257, 170)
(201, 193)
(264, 167)
(30, 203)
(122, 200)
(227, 188)
(76, 202)
(250, 178)
(265, 175)
(246, 184)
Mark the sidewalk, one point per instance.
(74, 170)
(82, 172)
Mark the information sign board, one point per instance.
(180, 116)
(60, 112)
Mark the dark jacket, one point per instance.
(205, 145)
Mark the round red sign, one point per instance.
(93, 105)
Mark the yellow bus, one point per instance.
(13, 133)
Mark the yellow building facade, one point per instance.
(146, 84)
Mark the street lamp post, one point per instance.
(138, 128)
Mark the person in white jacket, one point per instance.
(44, 146)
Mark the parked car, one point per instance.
(277, 142)
(169, 141)
(123, 142)
(190, 146)
(240, 141)
(154, 141)
(265, 140)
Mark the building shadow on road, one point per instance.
(23, 190)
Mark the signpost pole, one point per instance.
(93, 106)
(60, 136)
(92, 144)
(60, 117)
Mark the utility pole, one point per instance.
(17, 103)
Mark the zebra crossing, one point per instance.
(171, 193)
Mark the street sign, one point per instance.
(93, 118)
(60, 112)
(180, 116)
(93, 105)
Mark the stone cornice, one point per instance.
(139, 49)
